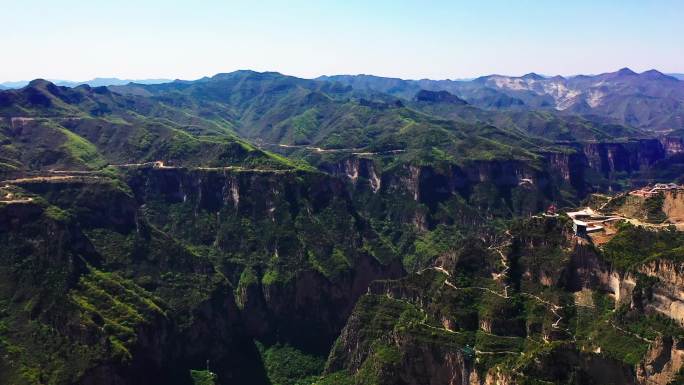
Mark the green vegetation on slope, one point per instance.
(635, 245)
(286, 365)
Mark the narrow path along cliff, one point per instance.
(353, 151)
(68, 175)
(159, 164)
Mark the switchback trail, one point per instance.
(503, 274)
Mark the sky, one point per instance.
(188, 39)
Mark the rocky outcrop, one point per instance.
(663, 295)
(216, 189)
(586, 269)
(667, 294)
(570, 168)
(494, 377)
(561, 170)
(672, 144)
(310, 309)
(165, 351)
(565, 164)
(362, 172)
(413, 361)
(399, 357)
(431, 364)
(606, 158)
(490, 188)
(662, 362)
(566, 363)
(673, 205)
(499, 187)
(430, 185)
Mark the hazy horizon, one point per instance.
(76, 39)
(160, 79)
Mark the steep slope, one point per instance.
(176, 270)
(292, 243)
(43, 126)
(535, 306)
(92, 294)
(542, 124)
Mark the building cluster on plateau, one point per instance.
(588, 221)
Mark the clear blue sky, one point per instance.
(81, 39)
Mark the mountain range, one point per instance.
(96, 82)
(648, 100)
(258, 228)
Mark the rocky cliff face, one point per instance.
(280, 257)
(412, 331)
(468, 314)
(399, 357)
(357, 170)
(662, 362)
(165, 351)
(566, 364)
(479, 189)
(121, 303)
(607, 158)
(673, 205)
(310, 309)
(581, 168)
(672, 145)
(439, 364)
(653, 288)
(506, 187)
(587, 270)
(296, 282)
(667, 295)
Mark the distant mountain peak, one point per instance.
(39, 83)
(625, 72)
(224, 75)
(533, 76)
(245, 74)
(619, 74)
(653, 72)
(656, 75)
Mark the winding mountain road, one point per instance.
(353, 151)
